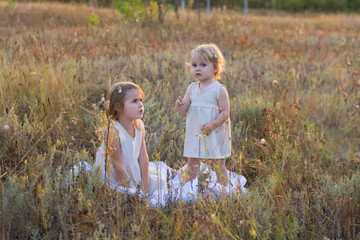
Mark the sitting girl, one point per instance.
(123, 155)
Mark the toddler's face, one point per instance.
(201, 68)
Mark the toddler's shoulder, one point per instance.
(221, 90)
(192, 86)
(221, 84)
(222, 87)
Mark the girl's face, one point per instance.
(202, 69)
(133, 106)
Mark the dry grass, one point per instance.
(303, 181)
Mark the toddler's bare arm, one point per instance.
(182, 104)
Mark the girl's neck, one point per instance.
(128, 125)
(205, 83)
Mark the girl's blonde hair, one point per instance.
(116, 95)
(211, 53)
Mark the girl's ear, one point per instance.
(118, 107)
(215, 69)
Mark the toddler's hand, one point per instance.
(179, 102)
(207, 128)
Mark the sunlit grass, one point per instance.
(303, 178)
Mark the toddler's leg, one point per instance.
(194, 164)
(221, 171)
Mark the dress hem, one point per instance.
(214, 158)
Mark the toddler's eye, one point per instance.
(194, 65)
(203, 65)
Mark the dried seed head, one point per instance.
(6, 127)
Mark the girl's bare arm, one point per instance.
(116, 157)
(182, 104)
(144, 165)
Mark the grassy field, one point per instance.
(293, 80)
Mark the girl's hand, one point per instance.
(182, 104)
(208, 127)
(179, 102)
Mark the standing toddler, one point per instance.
(206, 105)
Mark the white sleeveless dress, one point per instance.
(204, 108)
(130, 148)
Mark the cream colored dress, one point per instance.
(204, 108)
(130, 148)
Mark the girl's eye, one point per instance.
(194, 65)
(203, 65)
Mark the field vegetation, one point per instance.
(293, 83)
(288, 5)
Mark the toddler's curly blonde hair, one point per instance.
(211, 53)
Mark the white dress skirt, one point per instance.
(165, 183)
(204, 108)
(178, 190)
